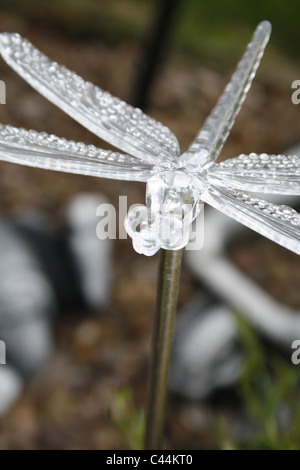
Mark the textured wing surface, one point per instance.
(212, 136)
(111, 119)
(279, 223)
(270, 174)
(50, 152)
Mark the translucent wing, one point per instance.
(113, 120)
(212, 136)
(42, 150)
(279, 223)
(271, 174)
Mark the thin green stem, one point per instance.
(162, 335)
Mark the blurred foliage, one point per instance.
(129, 420)
(269, 395)
(207, 27)
(213, 31)
(269, 389)
(112, 21)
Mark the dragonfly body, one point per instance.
(173, 201)
(177, 184)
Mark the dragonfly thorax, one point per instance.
(172, 192)
(172, 203)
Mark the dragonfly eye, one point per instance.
(173, 232)
(141, 226)
(150, 232)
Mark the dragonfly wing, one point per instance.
(111, 119)
(270, 174)
(279, 223)
(212, 136)
(41, 150)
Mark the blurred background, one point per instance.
(76, 315)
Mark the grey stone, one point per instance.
(213, 267)
(92, 256)
(11, 385)
(27, 303)
(206, 354)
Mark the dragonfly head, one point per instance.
(172, 203)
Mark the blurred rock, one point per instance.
(92, 256)
(51, 248)
(43, 271)
(26, 300)
(76, 262)
(29, 344)
(206, 354)
(213, 266)
(11, 385)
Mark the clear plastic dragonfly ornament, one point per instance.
(177, 184)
